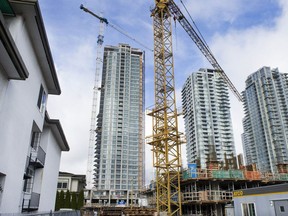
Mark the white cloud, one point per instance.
(213, 11)
(73, 106)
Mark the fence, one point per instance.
(57, 213)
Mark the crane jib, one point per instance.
(176, 12)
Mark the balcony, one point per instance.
(38, 157)
(30, 202)
(29, 171)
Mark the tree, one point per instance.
(67, 201)
(80, 202)
(74, 201)
(57, 202)
(61, 199)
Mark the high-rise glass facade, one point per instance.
(119, 151)
(265, 136)
(208, 126)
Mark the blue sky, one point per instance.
(244, 35)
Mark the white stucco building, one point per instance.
(30, 142)
(71, 182)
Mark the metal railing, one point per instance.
(31, 201)
(38, 156)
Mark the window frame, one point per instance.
(42, 99)
(246, 211)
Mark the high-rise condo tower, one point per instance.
(208, 126)
(265, 137)
(119, 151)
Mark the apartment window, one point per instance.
(28, 184)
(2, 180)
(62, 185)
(248, 209)
(42, 99)
(35, 142)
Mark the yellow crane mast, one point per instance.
(165, 140)
(165, 136)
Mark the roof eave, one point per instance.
(58, 132)
(13, 63)
(34, 20)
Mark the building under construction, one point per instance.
(118, 211)
(204, 192)
(208, 192)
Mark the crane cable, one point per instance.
(201, 36)
(127, 35)
(102, 19)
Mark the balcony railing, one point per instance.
(29, 171)
(31, 202)
(38, 157)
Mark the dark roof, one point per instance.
(72, 175)
(278, 188)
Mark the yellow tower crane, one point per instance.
(166, 139)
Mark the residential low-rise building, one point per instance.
(72, 182)
(31, 142)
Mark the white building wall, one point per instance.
(50, 171)
(264, 205)
(74, 186)
(3, 87)
(18, 111)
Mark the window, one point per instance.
(62, 185)
(42, 99)
(2, 180)
(28, 184)
(248, 209)
(35, 142)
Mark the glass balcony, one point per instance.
(30, 202)
(38, 157)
